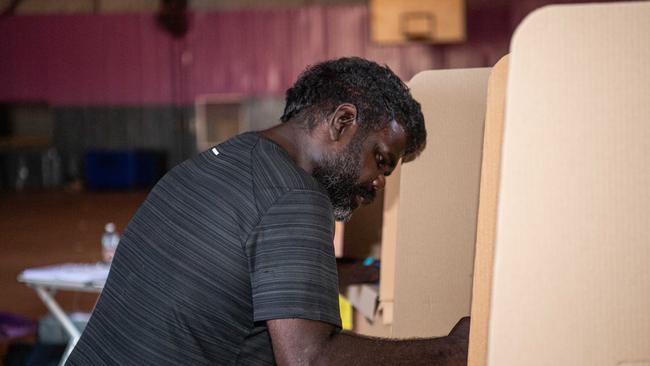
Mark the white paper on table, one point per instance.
(69, 272)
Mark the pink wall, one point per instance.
(127, 59)
(80, 59)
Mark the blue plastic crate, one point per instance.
(111, 169)
(123, 169)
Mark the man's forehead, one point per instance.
(395, 127)
(396, 137)
(391, 138)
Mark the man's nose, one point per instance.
(379, 183)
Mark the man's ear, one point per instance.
(343, 119)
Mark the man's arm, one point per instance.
(308, 342)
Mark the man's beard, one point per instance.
(339, 176)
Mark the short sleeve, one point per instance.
(291, 259)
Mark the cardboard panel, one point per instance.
(434, 225)
(571, 281)
(388, 245)
(487, 212)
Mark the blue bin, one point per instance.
(123, 169)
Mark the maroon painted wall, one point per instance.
(126, 59)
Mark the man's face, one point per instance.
(353, 176)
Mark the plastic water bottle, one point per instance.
(51, 168)
(110, 239)
(22, 173)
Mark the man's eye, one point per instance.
(380, 160)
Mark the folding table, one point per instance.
(79, 277)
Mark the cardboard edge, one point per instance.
(487, 213)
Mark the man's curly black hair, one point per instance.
(378, 94)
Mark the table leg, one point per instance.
(68, 349)
(62, 317)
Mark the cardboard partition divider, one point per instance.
(571, 279)
(430, 208)
(486, 226)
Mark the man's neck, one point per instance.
(295, 140)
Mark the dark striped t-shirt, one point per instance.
(225, 241)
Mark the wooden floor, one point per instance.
(44, 228)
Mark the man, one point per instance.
(230, 261)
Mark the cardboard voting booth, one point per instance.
(562, 271)
(430, 208)
(532, 199)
